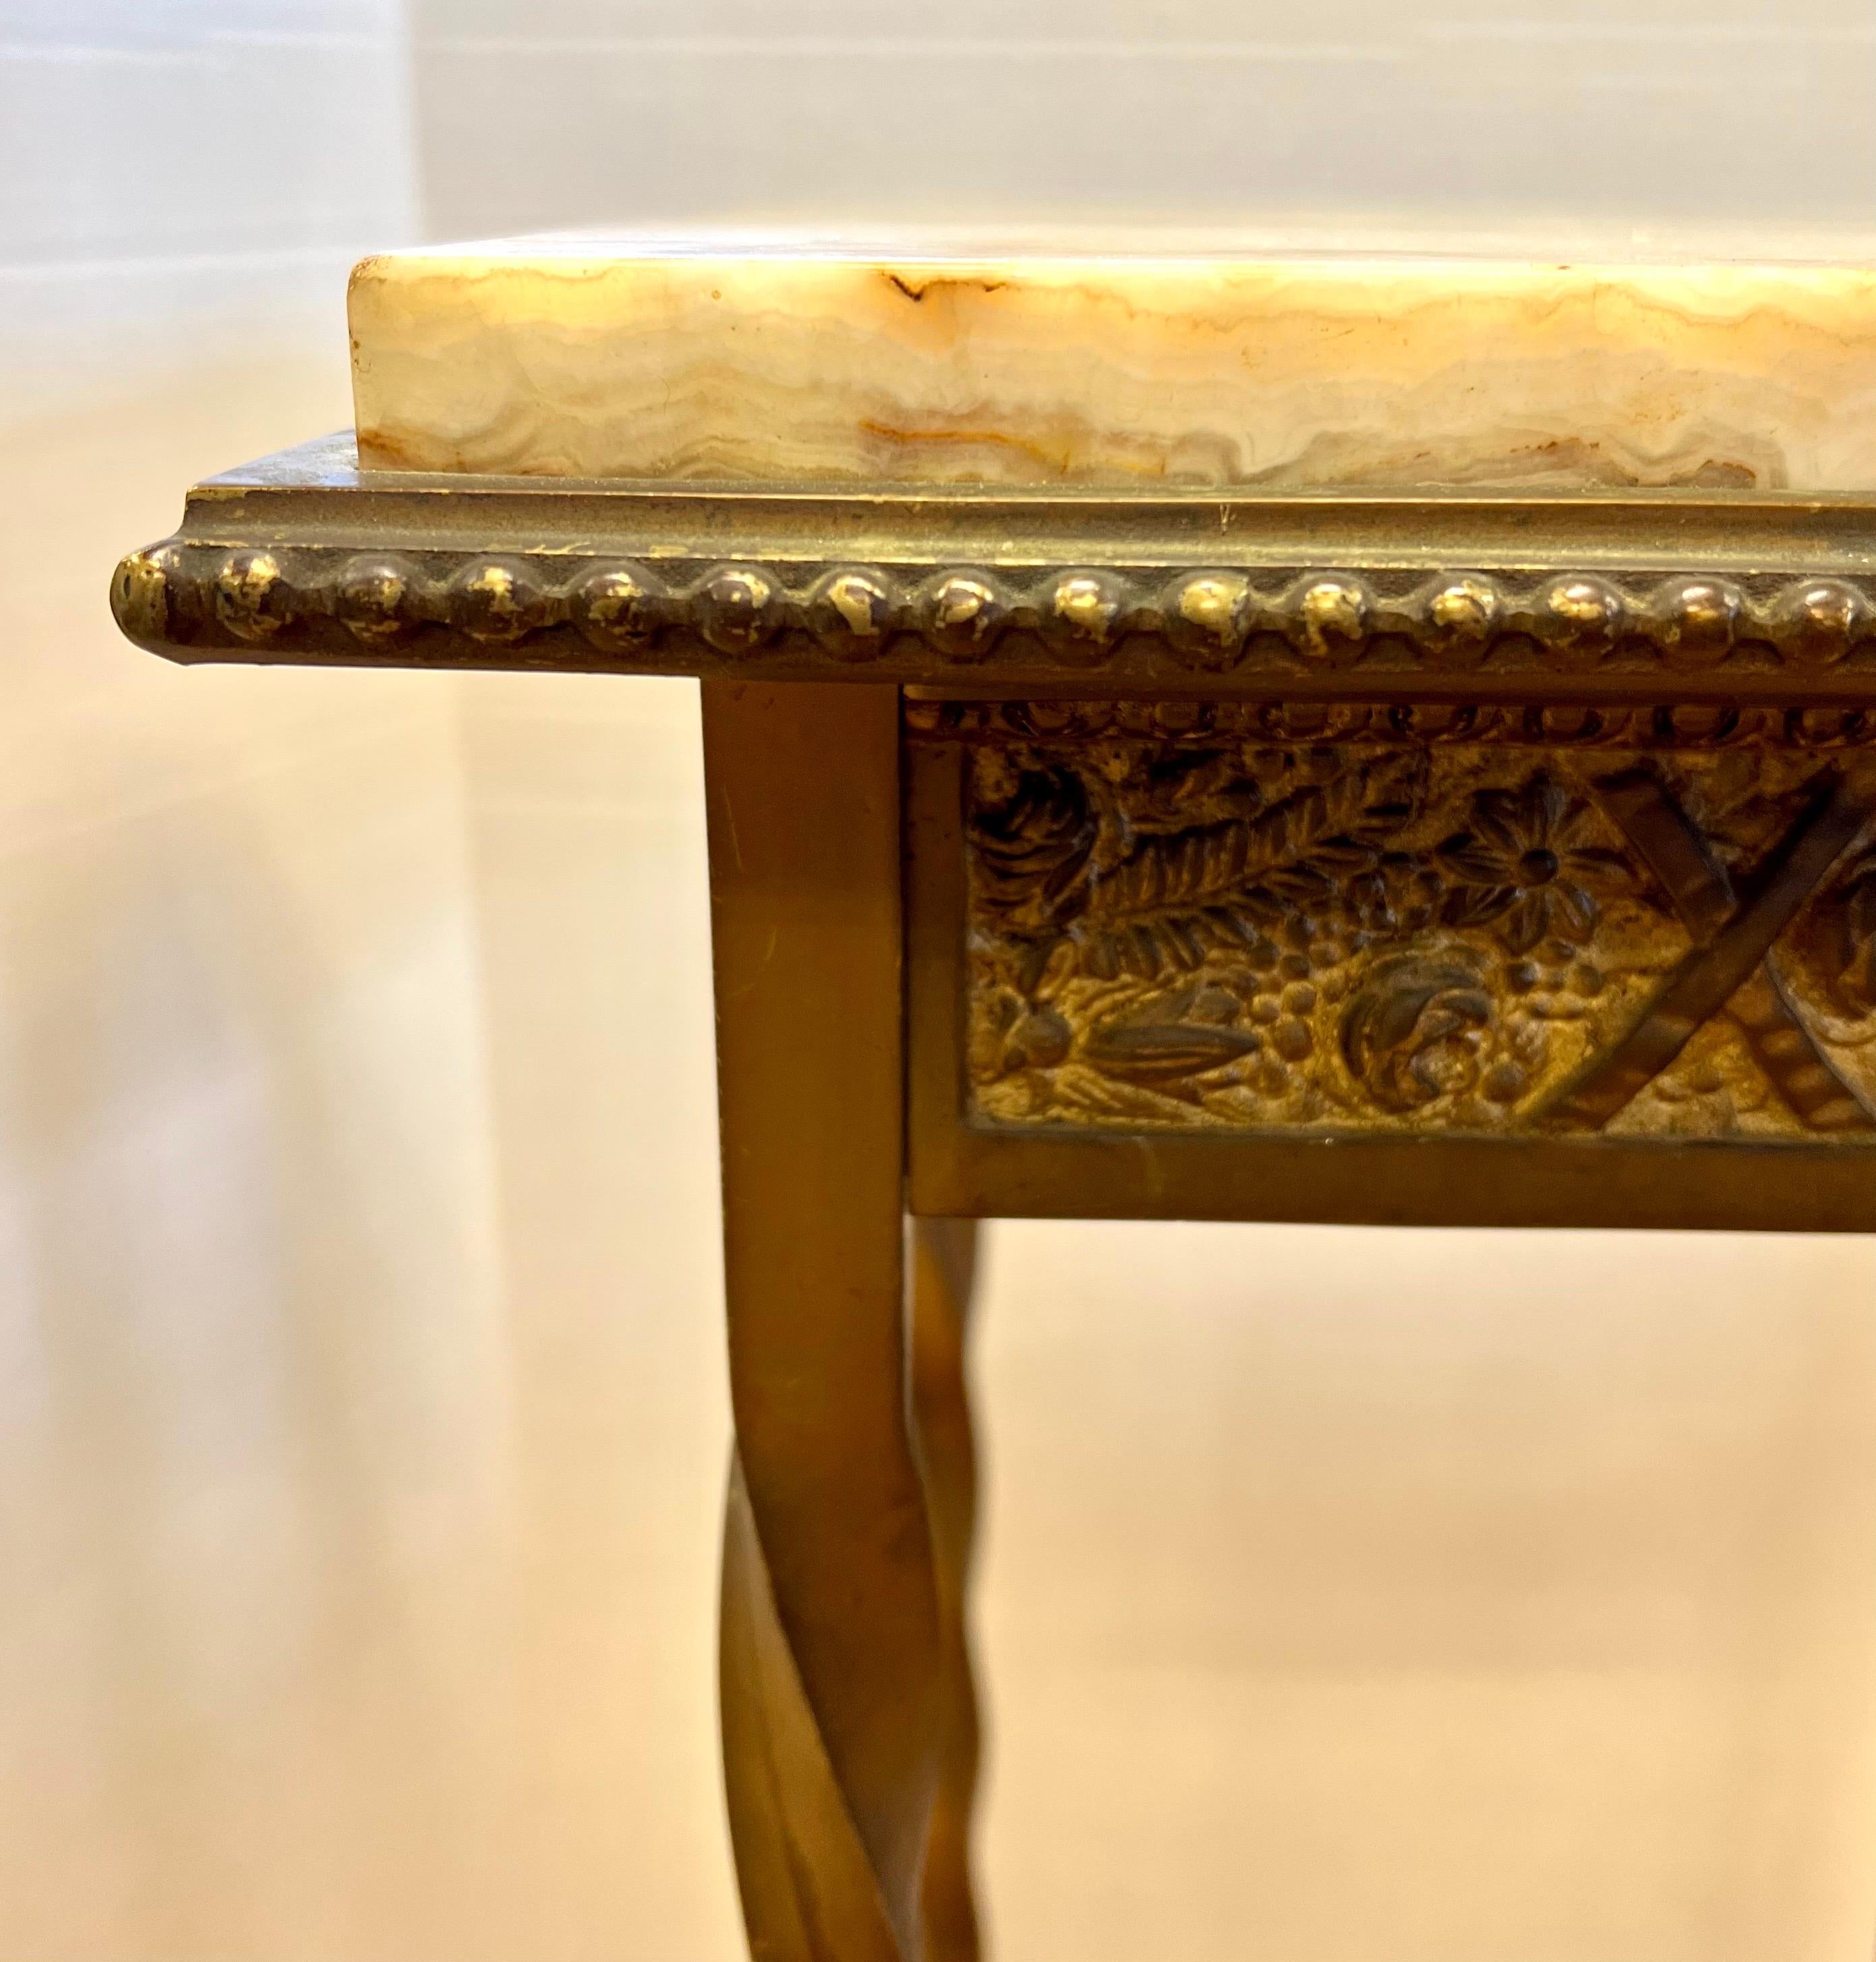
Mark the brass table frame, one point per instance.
(867, 655)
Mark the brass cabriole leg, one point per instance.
(832, 1669)
(944, 1265)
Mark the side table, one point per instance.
(1202, 737)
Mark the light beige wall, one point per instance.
(299, 1636)
(1449, 1598)
(1465, 1597)
(359, 1446)
(1667, 115)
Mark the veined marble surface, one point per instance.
(777, 359)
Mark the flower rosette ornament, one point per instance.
(1524, 863)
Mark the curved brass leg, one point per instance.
(831, 1651)
(945, 1258)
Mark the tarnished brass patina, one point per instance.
(1466, 858)
(1424, 937)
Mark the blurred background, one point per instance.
(1440, 1597)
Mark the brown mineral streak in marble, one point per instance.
(1281, 373)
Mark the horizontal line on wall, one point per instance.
(826, 47)
(29, 271)
(205, 51)
(75, 54)
(306, 39)
(1646, 34)
(1709, 86)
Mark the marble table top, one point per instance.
(775, 359)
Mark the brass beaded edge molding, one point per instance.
(1662, 596)
(554, 608)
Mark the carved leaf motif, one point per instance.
(1176, 897)
(1436, 937)
(1164, 1053)
(1033, 847)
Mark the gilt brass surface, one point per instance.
(1668, 597)
(1433, 1004)
(1560, 801)
(849, 1720)
(1423, 938)
(1427, 859)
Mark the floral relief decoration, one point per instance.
(1495, 940)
